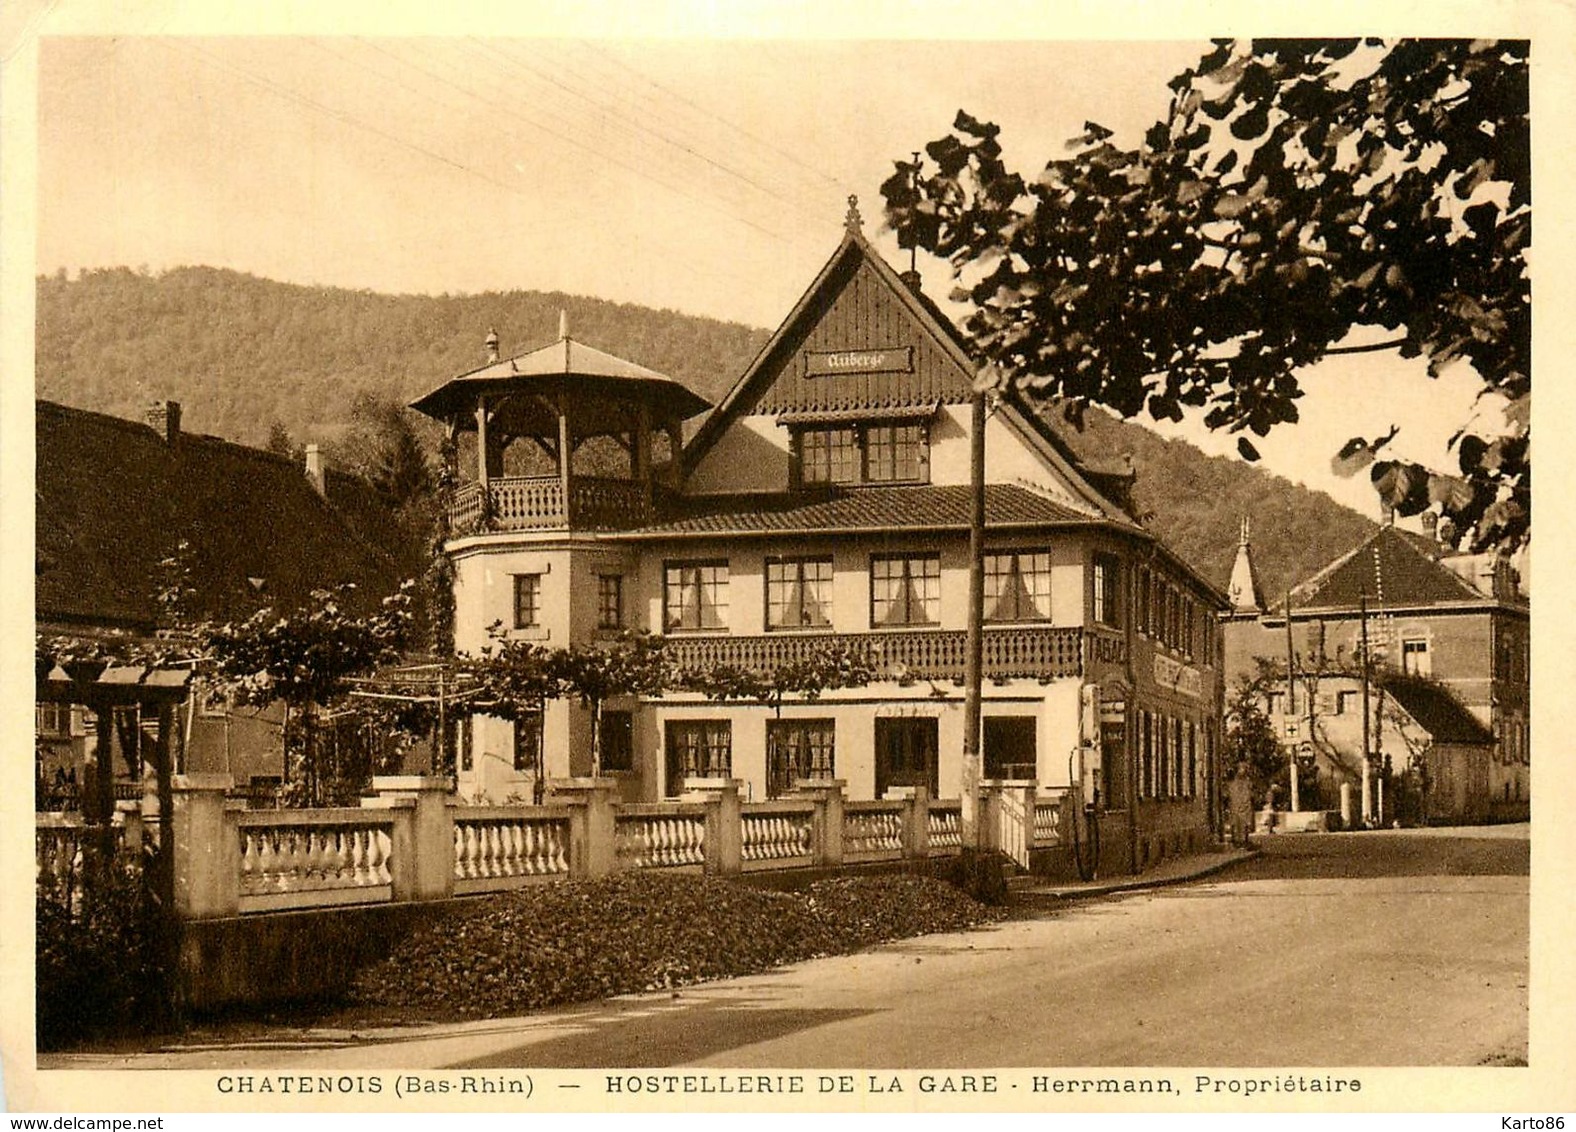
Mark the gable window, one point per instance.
(698, 748)
(694, 596)
(1414, 657)
(1018, 586)
(609, 601)
(865, 454)
(829, 455)
(905, 590)
(527, 600)
(795, 749)
(1107, 590)
(798, 593)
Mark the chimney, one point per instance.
(492, 345)
(314, 469)
(1387, 515)
(911, 280)
(1431, 525)
(164, 418)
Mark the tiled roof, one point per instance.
(1437, 711)
(1393, 569)
(563, 358)
(114, 499)
(861, 509)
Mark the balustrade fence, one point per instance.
(413, 841)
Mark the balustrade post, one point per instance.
(1030, 800)
(207, 847)
(423, 869)
(724, 822)
(592, 823)
(827, 794)
(916, 824)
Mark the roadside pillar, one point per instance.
(592, 817)
(724, 822)
(828, 797)
(207, 847)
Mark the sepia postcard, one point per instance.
(881, 558)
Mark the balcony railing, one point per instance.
(1024, 652)
(524, 503)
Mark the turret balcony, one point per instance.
(529, 503)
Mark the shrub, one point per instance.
(99, 965)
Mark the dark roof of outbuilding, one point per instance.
(1437, 711)
(917, 507)
(114, 499)
(1392, 568)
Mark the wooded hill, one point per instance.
(243, 354)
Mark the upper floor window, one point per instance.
(54, 720)
(798, 593)
(905, 590)
(1107, 590)
(871, 453)
(609, 601)
(1143, 600)
(1018, 586)
(527, 600)
(694, 596)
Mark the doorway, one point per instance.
(906, 754)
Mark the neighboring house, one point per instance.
(1438, 754)
(826, 500)
(1461, 621)
(115, 497)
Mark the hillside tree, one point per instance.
(1296, 192)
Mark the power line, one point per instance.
(644, 174)
(758, 140)
(642, 127)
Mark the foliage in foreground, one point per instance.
(581, 940)
(98, 963)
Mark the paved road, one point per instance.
(1372, 949)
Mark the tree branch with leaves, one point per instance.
(1297, 191)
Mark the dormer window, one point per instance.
(891, 452)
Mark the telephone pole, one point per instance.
(974, 645)
(1362, 608)
(1291, 705)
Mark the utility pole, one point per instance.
(974, 649)
(1362, 614)
(1291, 704)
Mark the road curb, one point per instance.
(1133, 884)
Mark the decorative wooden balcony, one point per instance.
(527, 503)
(1035, 652)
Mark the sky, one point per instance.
(708, 176)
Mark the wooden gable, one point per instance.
(858, 346)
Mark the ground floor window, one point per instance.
(1010, 747)
(798, 748)
(698, 748)
(906, 754)
(528, 742)
(618, 741)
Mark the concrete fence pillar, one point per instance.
(916, 818)
(1029, 795)
(592, 815)
(827, 794)
(724, 822)
(423, 842)
(988, 816)
(207, 847)
(128, 815)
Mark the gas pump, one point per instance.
(1084, 774)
